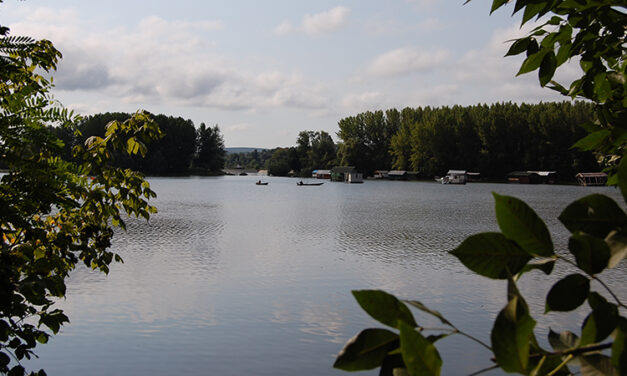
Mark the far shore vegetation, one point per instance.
(493, 140)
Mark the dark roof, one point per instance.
(342, 169)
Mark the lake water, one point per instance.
(230, 278)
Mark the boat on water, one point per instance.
(261, 182)
(301, 183)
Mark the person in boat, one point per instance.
(300, 182)
(259, 182)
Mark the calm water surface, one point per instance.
(230, 278)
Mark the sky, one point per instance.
(265, 70)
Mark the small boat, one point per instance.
(301, 183)
(261, 183)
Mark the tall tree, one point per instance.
(210, 152)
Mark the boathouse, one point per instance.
(338, 173)
(591, 178)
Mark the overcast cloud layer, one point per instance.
(265, 72)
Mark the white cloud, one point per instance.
(319, 23)
(369, 100)
(159, 62)
(407, 60)
(492, 76)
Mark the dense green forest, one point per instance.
(491, 139)
(183, 149)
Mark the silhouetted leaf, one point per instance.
(521, 224)
(366, 350)
(545, 265)
(601, 322)
(568, 293)
(384, 307)
(563, 341)
(491, 255)
(592, 254)
(595, 214)
(547, 68)
(592, 140)
(420, 356)
(426, 309)
(511, 334)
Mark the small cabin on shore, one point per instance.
(591, 178)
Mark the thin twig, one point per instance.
(562, 364)
(496, 366)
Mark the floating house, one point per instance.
(339, 173)
(453, 177)
(532, 177)
(591, 178)
(397, 175)
(523, 177)
(321, 174)
(473, 176)
(381, 174)
(353, 177)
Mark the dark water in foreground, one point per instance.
(230, 278)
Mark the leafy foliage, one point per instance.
(594, 32)
(492, 139)
(55, 211)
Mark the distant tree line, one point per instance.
(313, 150)
(254, 160)
(491, 139)
(184, 149)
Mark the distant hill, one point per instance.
(242, 150)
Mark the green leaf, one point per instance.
(432, 312)
(619, 349)
(511, 335)
(496, 4)
(384, 307)
(563, 341)
(521, 224)
(545, 265)
(491, 255)
(592, 254)
(532, 62)
(601, 322)
(596, 214)
(420, 356)
(617, 241)
(367, 350)
(547, 68)
(519, 46)
(592, 140)
(568, 293)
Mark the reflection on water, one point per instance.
(232, 278)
